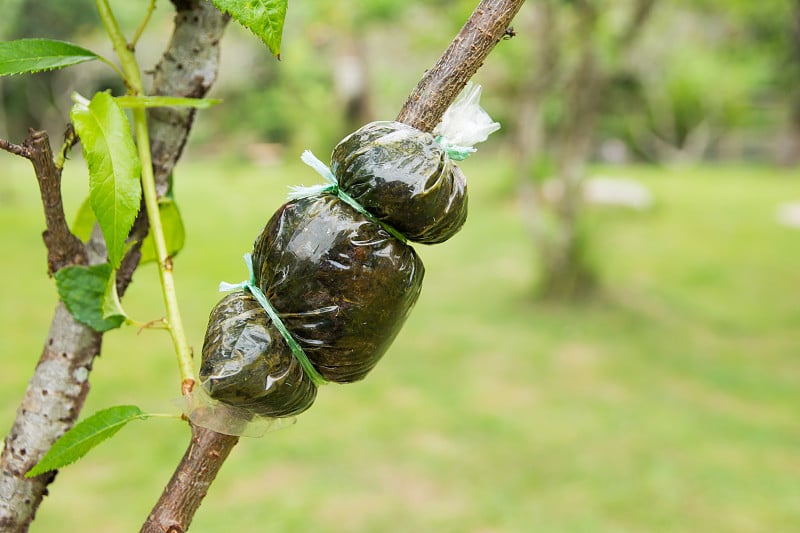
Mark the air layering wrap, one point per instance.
(404, 178)
(332, 278)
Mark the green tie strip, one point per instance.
(258, 294)
(333, 188)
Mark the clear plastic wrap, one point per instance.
(332, 279)
(341, 284)
(247, 363)
(404, 178)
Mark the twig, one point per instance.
(441, 84)
(208, 450)
(15, 149)
(63, 248)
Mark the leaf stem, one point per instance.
(143, 25)
(133, 80)
(174, 321)
(130, 69)
(113, 66)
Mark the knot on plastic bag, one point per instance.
(251, 286)
(465, 124)
(333, 188)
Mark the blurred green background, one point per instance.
(653, 387)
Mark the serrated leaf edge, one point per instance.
(78, 59)
(53, 459)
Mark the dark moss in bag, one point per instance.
(403, 177)
(247, 363)
(341, 284)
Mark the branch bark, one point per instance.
(189, 484)
(15, 149)
(63, 248)
(441, 84)
(208, 450)
(56, 393)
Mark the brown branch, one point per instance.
(208, 450)
(441, 84)
(59, 385)
(189, 484)
(63, 248)
(15, 149)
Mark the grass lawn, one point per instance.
(668, 402)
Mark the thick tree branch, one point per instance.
(441, 84)
(56, 392)
(188, 68)
(54, 397)
(436, 91)
(189, 484)
(59, 386)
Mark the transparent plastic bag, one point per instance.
(404, 178)
(247, 363)
(332, 269)
(209, 413)
(341, 284)
(465, 123)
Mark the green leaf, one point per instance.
(83, 290)
(165, 101)
(112, 307)
(174, 232)
(84, 221)
(84, 436)
(114, 168)
(262, 17)
(34, 55)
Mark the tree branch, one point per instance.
(59, 385)
(441, 84)
(15, 149)
(63, 248)
(188, 68)
(189, 484)
(54, 397)
(208, 450)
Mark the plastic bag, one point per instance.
(465, 123)
(404, 178)
(336, 274)
(247, 363)
(341, 284)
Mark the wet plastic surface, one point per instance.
(341, 284)
(247, 363)
(402, 176)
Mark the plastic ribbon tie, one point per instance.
(454, 151)
(333, 188)
(258, 294)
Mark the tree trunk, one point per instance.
(567, 270)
